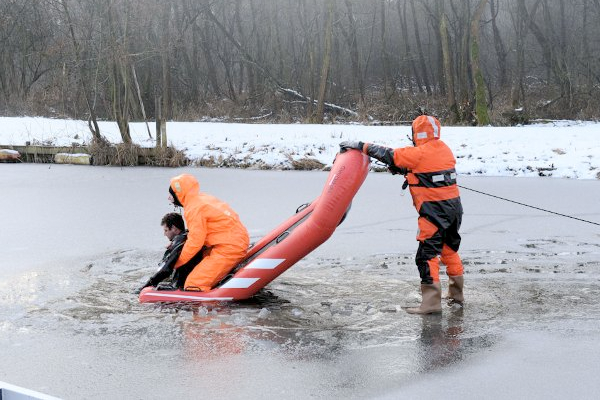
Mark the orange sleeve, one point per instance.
(196, 236)
(408, 157)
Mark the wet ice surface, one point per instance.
(330, 327)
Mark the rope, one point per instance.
(527, 205)
(515, 202)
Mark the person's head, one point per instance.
(172, 224)
(424, 129)
(181, 187)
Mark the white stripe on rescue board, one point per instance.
(265, 263)
(239, 283)
(197, 298)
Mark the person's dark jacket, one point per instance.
(168, 261)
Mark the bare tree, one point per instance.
(351, 37)
(481, 107)
(448, 66)
(520, 23)
(326, 62)
(93, 120)
(501, 52)
(112, 58)
(422, 63)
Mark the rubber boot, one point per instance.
(455, 290)
(431, 302)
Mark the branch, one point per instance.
(270, 78)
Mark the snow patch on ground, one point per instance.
(562, 148)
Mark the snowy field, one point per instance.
(565, 149)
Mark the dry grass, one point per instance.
(122, 154)
(169, 157)
(127, 154)
(100, 150)
(307, 164)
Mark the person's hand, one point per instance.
(138, 290)
(351, 145)
(166, 286)
(395, 170)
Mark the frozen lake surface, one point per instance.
(76, 240)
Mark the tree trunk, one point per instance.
(448, 70)
(258, 80)
(481, 107)
(499, 46)
(423, 65)
(247, 67)
(167, 105)
(311, 82)
(384, 51)
(462, 15)
(412, 65)
(120, 82)
(161, 124)
(520, 24)
(554, 53)
(278, 46)
(211, 69)
(93, 120)
(141, 101)
(352, 41)
(326, 63)
(585, 46)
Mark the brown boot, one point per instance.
(455, 290)
(431, 302)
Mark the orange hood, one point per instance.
(425, 128)
(184, 187)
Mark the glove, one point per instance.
(351, 145)
(397, 170)
(163, 273)
(165, 286)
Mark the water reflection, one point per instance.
(441, 339)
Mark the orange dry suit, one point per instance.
(215, 234)
(431, 175)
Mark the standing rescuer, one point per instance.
(430, 172)
(215, 234)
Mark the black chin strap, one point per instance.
(175, 199)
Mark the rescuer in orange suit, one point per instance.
(216, 236)
(430, 172)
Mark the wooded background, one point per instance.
(379, 61)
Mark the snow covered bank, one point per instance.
(566, 149)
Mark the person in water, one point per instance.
(430, 172)
(174, 229)
(216, 241)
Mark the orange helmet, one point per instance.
(424, 129)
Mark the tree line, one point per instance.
(471, 61)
